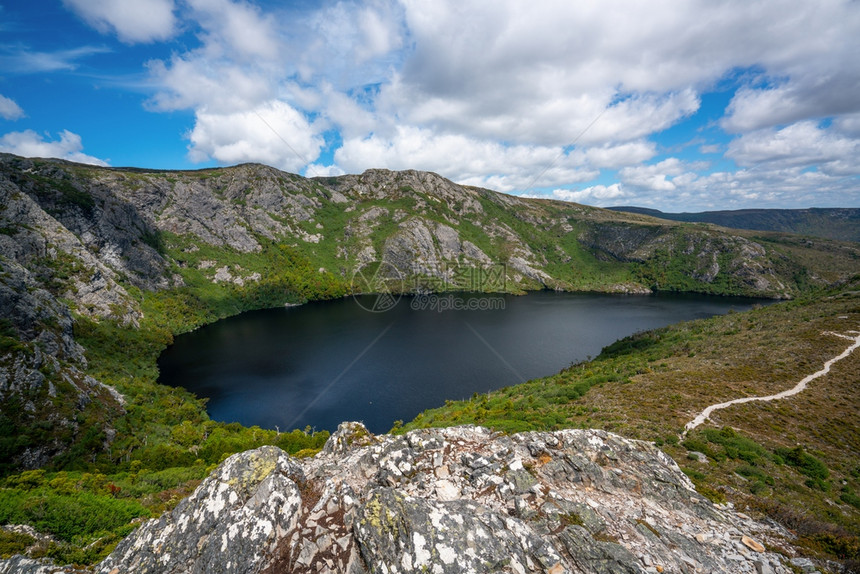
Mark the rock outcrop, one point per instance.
(460, 499)
(41, 367)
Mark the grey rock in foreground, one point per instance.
(461, 499)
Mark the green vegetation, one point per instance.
(763, 457)
(9, 337)
(14, 543)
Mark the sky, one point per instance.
(678, 105)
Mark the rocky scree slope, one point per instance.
(461, 499)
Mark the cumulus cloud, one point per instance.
(318, 170)
(132, 21)
(800, 98)
(848, 125)
(519, 97)
(812, 76)
(657, 177)
(274, 133)
(468, 160)
(516, 60)
(803, 144)
(600, 195)
(615, 156)
(676, 185)
(762, 187)
(9, 110)
(348, 44)
(31, 144)
(216, 86)
(240, 28)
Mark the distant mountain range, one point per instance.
(842, 224)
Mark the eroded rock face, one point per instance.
(461, 499)
(230, 524)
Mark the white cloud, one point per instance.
(348, 44)
(762, 187)
(518, 96)
(467, 160)
(614, 156)
(30, 144)
(674, 185)
(194, 82)
(25, 61)
(811, 75)
(601, 195)
(379, 37)
(317, 170)
(274, 134)
(132, 20)
(654, 177)
(9, 110)
(239, 29)
(803, 144)
(504, 67)
(848, 125)
(753, 108)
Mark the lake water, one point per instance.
(327, 362)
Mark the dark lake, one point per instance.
(327, 362)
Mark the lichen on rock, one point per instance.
(462, 499)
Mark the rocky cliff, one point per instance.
(460, 499)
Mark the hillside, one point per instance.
(102, 266)
(842, 224)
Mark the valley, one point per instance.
(102, 267)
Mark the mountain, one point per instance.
(100, 267)
(842, 224)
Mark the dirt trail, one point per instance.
(799, 387)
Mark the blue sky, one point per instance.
(675, 105)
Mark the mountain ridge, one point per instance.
(840, 223)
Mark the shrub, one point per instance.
(735, 445)
(805, 463)
(67, 516)
(850, 498)
(14, 543)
